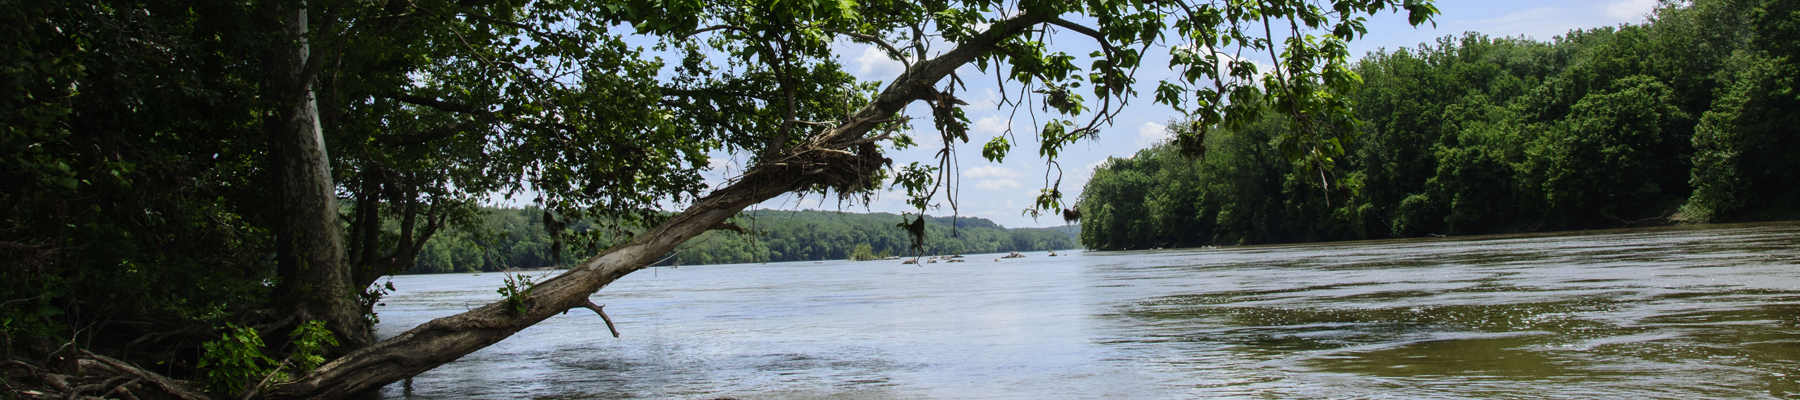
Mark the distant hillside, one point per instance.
(831, 235)
(515, 238)
(1074, 231)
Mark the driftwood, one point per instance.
(98, 376)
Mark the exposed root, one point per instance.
(96, 377)
(168, 386)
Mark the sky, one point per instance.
(1002, 191)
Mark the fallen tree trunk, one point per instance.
(446, 339)
(820, 160)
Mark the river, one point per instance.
(1678, 313)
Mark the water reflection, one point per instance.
(1695, 312)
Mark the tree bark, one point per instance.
(315, 275)
(818, 160)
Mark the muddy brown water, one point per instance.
(1675, 313)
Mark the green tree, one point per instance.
(863, 252)
(1745, 145)
(1473, 134)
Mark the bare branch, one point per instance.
(429, 135)
(600, 309)
(1105, 45)
(684, 36)
(167, 385)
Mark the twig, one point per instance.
(167, 385)
(57, 381)
(251, 391)
(123, 391)
(102, 386)
(600, 309)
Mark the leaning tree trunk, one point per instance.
(315, 278)
(840, 157)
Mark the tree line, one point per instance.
(1690, 117)
(515, 238)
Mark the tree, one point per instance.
(411, 109)
(1468, 135)
(1746, 142)
(809, 138)
(863, 252)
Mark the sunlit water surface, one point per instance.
(1676, 313)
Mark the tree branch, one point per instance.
(434, 102)
(1105, 45)
(523, 27)
(429, 135)
(601, 309)
(684, 36)
(167, 385)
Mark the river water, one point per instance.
(1676, 313)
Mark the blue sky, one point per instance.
(1001, 191)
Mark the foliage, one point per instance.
(310, 340)
(863, 252)
(125, 178)
(239, 358)
(234, 361)
(1746, 144)
(516, 291)
(1599, 128)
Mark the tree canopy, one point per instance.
(1599, 128)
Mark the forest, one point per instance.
(1690, 117)
(515, 238)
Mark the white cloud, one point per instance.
(1095, 165)
(991, 171)
(1630, 10)
(997, 184)
(990, 126)
(1542, 23)
(874, 61)
(1151, 133)
(1539, 13)
(987, 100)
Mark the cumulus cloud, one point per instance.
(1095, 165)
(997, 184)
(990, 126)
(987, 100)
(874, 61)
(1630, 10)
(1544, 22)
(990, 171)
(993, 177)
(1151, 133)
